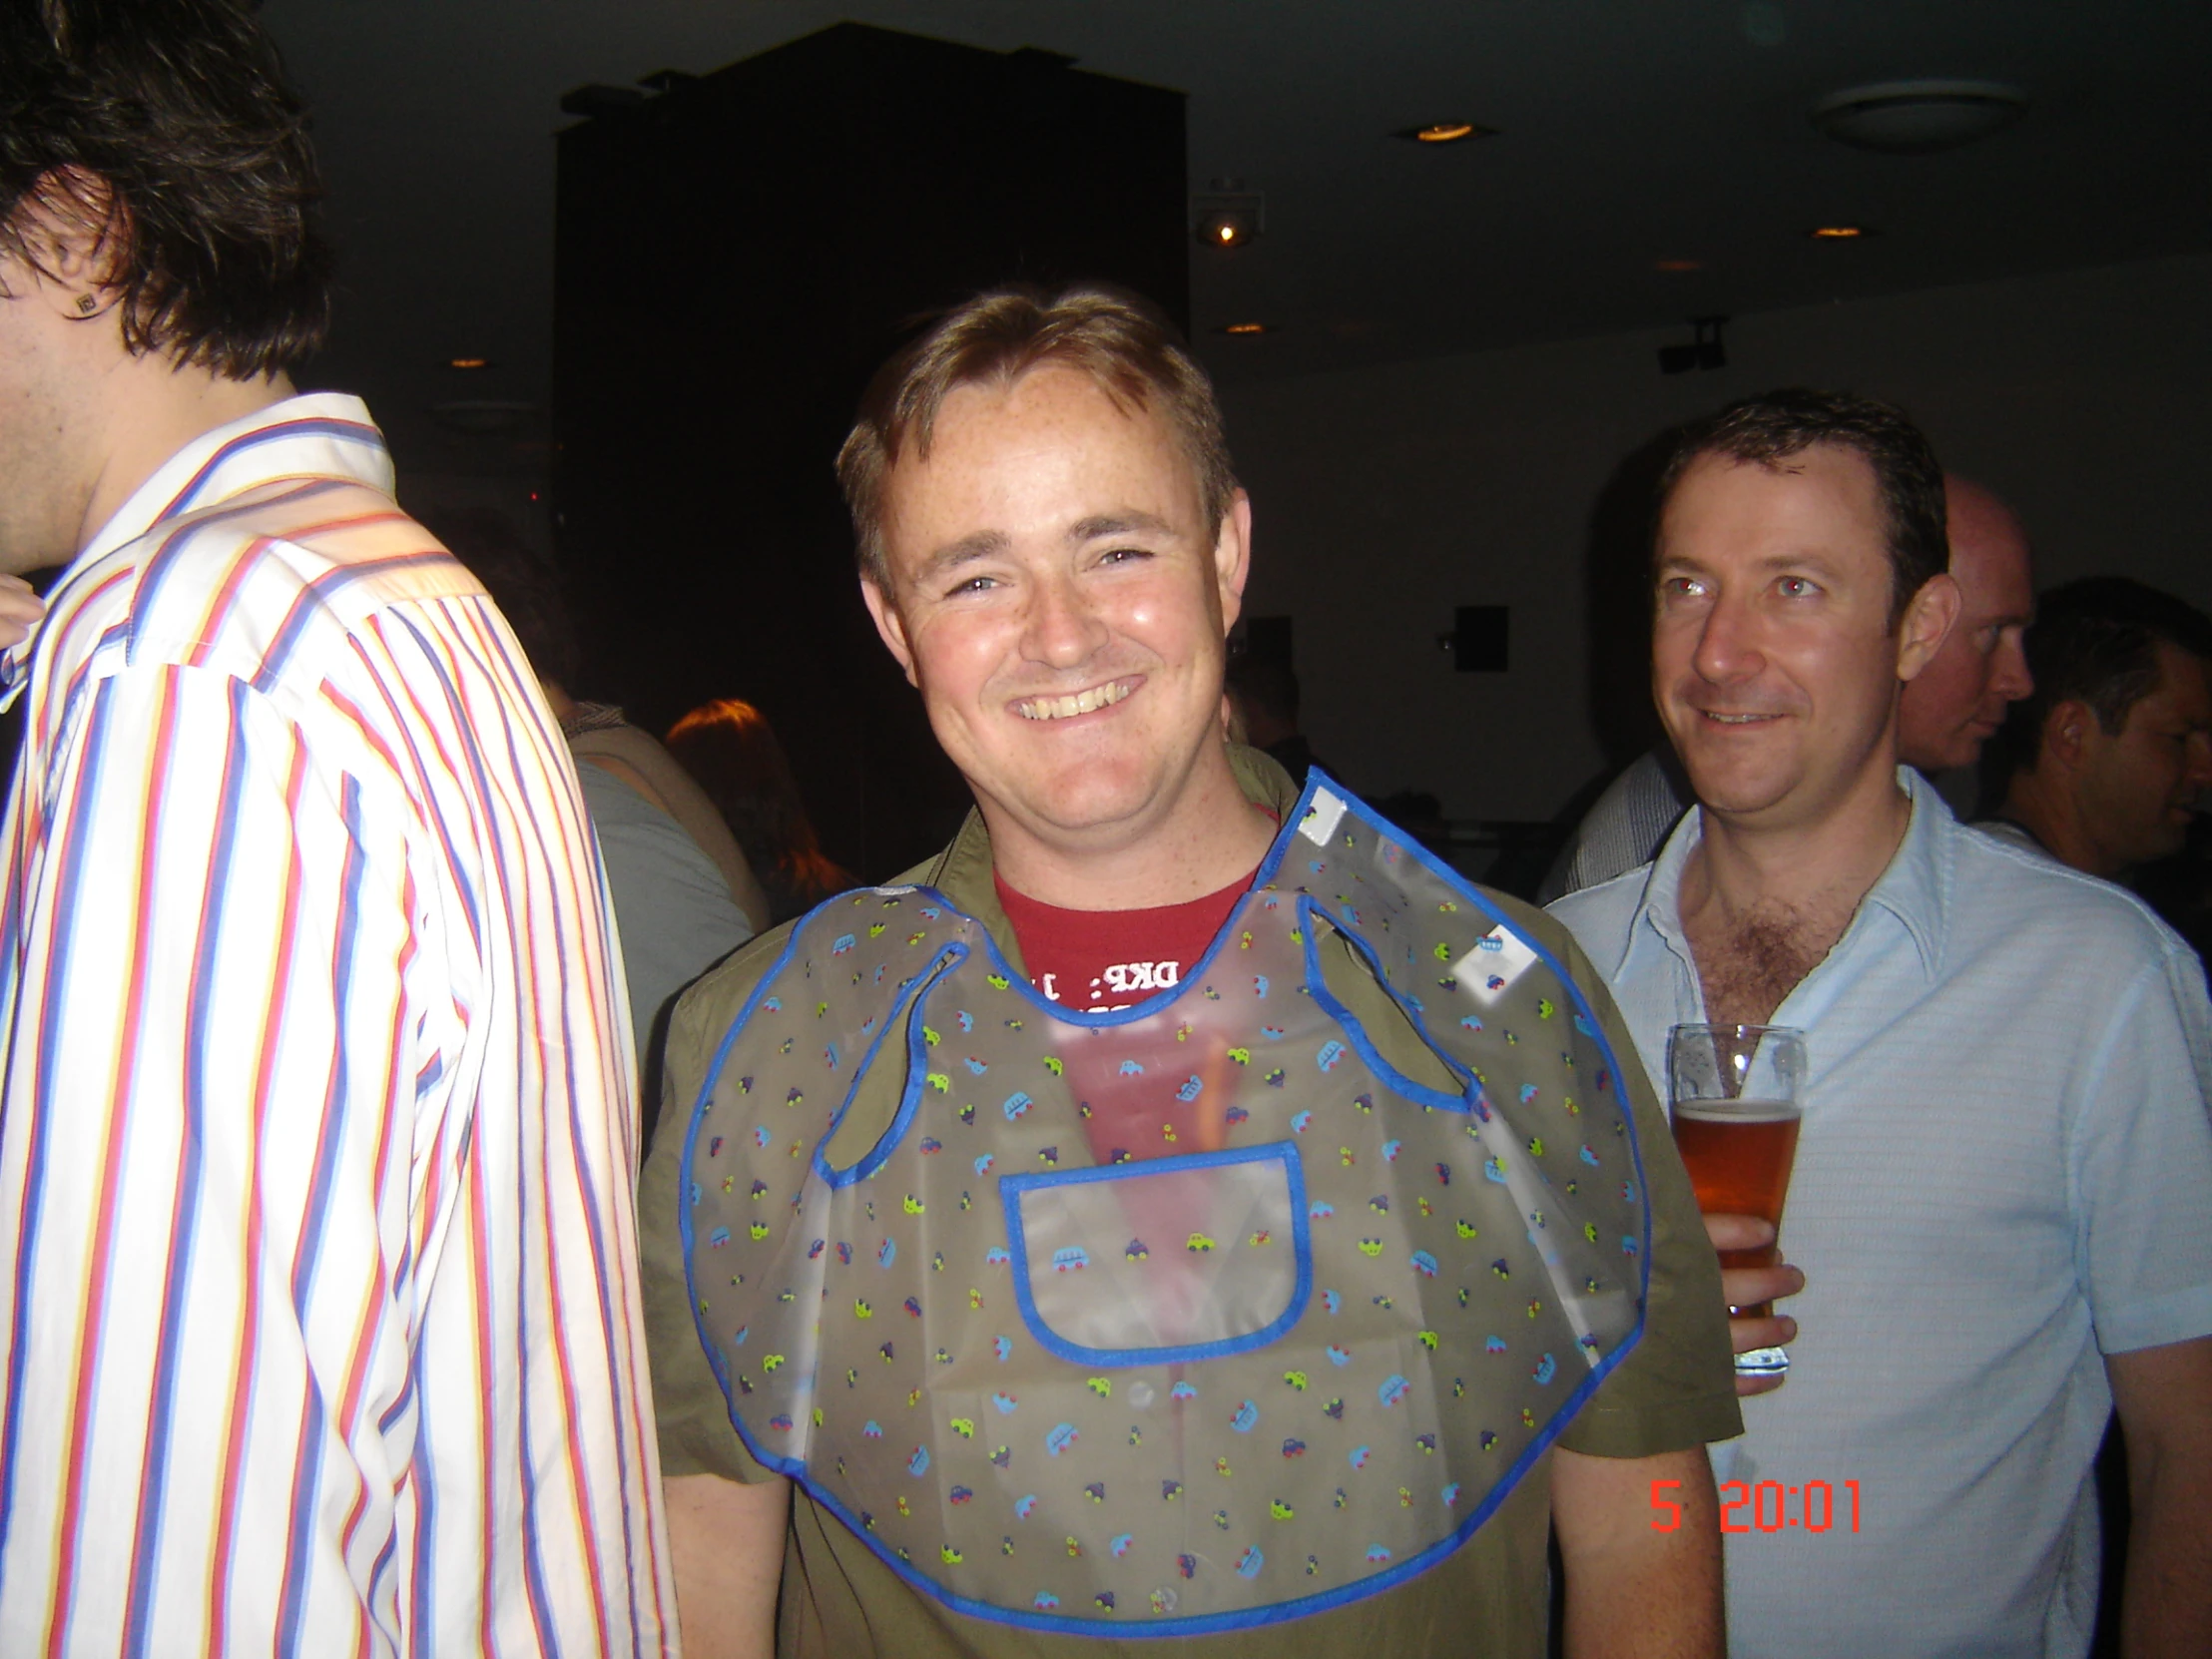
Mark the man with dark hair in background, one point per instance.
(1263, 692)
(316, 1116)
(2001, 1183)
(2112, 755)
(1943, 716)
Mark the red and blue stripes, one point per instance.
(316, 1103)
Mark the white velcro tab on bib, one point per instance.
(1499, 958)
(1321, 818)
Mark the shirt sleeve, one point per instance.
(2143, 1164)
(1677, 1386)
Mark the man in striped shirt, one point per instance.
(318, 1329)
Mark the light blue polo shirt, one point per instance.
(2005, 1173)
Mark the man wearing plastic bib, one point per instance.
(1183, 1209)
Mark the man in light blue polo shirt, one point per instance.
(2002, 1200)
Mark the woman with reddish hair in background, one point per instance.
(730, 749)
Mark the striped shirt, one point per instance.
(318, 1255)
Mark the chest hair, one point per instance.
(1748, 962)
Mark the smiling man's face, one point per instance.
(1060, 598)
(1774, 663)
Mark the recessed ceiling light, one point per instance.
(1445, 132)
(1246, 328)
(468, 362)
(1681, 264)
(1916, 118)
(1840, 233)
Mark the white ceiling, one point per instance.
(1633, 131)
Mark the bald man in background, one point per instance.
(1944, 717)
(1958, 701)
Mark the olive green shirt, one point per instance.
(1676, 1388)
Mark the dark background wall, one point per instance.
(1384, 497)
(734, 256)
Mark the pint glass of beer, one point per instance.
(1735, 1093)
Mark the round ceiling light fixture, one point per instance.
(1919, 118)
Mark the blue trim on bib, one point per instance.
(1316, 781)
(909, 999)
(1421, 1094)
(1286, 1153)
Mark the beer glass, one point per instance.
(1735, 1096)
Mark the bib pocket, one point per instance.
(1162, 1261)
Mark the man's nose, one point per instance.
(1727, 642)
(1063, 630)
(2197, 773)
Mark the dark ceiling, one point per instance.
(1634, 134)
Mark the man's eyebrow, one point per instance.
(978, 544)
(1122, 523)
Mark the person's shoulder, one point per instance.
(718, 995)
(2007, 893)
(250, 585)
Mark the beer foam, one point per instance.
(1738, 1111)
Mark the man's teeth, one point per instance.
(1081, 703)
(1735, 720)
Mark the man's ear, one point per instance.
(1233, 558)
(891, 627)
(73, 240)
(1928, 622)
(2066, 731)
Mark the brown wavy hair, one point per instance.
(1120, 340)
(166, 127)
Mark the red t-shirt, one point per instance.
(1100, 960)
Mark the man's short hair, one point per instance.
(1771, 429)
(1121, 342)
(165, 126)
(2096, 642)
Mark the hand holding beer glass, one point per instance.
(1736, 1097)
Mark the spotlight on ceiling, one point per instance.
(1919, 118)
(1841, 232)
(1228, 218)
(1446, 131)
(468, 362)
(1248, 328)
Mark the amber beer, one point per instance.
(1737, 1153)
(1737, 1093)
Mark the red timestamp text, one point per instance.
(1771, 1506)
